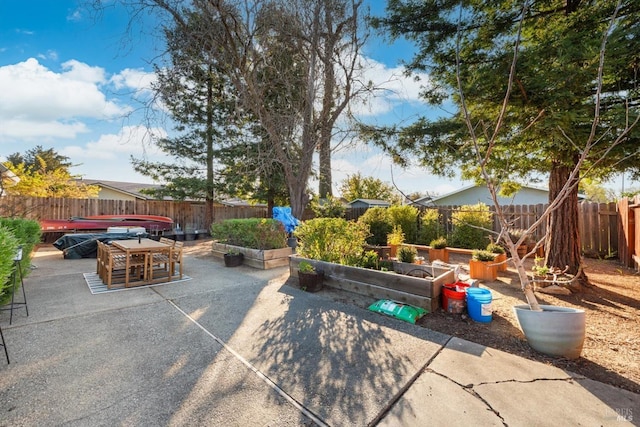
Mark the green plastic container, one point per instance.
(399, 310)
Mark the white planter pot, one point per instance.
(555, 331)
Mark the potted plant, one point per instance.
(394, 240)
(233, 258)
(438, 250)
(310, 280)
(407, 254)
(501, 256)
(482, 265)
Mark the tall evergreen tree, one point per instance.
(467, 48)
(203, 105)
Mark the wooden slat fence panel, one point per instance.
(598, 223)
(604, 228)
(190, 215)
(629, 232)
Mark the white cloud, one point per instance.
(33, 93)
(135, 79)
(131, 140)
(16, 129)
(76, 71)
(38, 102)
(392, 88)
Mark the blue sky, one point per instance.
(68, 79)
(74, 82)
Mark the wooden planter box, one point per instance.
(263, 259)
(500, 258)
(440, 254)
(416, 291)
(483, 270)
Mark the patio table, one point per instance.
(139, 254)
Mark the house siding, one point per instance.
(474, 195)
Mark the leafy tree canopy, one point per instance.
(45, 173)
(366, 187)
(552, 104)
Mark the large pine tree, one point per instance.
(552, 103)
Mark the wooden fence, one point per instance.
(606, 229)
(629, 232)
(189, 215)
(598, 222)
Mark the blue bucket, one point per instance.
(479, 304)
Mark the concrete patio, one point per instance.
(241, 346)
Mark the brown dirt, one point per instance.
(611, 351)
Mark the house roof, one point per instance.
(239, 202)
(6, 173)
(371, 202)
(465, 188)
(129, 188)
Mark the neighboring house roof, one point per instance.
(240, 202)
(472, 194)
(6, 173)
(371, 202)
(129, 188)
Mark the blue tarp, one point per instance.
(283, 214)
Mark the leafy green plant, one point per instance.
(405, 217)
(255, 233)
(370, 260)
(483, 255)
(538, 268)
(306, 267)
(379, 223)
(331, 207)
(430, 227)
(396, 237)
(8, 247)
(407, 254)
(471, 225)
(439, 243)
(28, 234)
(331, 239)
(495, 248)
(385, 265)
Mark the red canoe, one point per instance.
(103, 222)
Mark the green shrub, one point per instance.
(430, 227)
(471, 225)
(396, 237)
(407, 254)
(369, 260)
(255, 233)
(28, 233)
(331, 239)
(331, 207)
(8, 247)
(379, 223)
(407, 218)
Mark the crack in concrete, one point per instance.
(406, 387)
(469, 389)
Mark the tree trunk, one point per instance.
(209, 196)
(324, 185)
(563, 247)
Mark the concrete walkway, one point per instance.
(241, 347)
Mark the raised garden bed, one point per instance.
(257, 258)
(404, 287)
